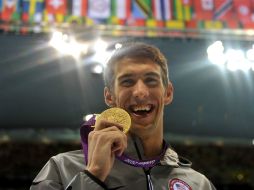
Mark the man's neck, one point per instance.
(152, 142)
(152, 147)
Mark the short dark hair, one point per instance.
(135, 50)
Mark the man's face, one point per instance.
(139, 90)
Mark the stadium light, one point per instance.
(97, 69)
(102, 55)
(67, 45)
(100, 45)
(215, 53)
(250, 54)
(234, 59)
(118, 46)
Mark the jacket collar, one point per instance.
(170, 158)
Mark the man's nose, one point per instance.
(140, 91)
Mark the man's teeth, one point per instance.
(142, 108)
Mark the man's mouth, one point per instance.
(141, 110)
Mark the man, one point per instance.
(136, 80)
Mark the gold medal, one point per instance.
(117, 115)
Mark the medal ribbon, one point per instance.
(86, 129)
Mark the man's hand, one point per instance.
(106, 141)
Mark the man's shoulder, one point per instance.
(193, 176)
(186, 165)
(71, 156)
(71, 153)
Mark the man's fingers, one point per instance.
(116, 140)
(102, 124)
(119, 145)
(103, 145)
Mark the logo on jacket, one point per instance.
(177, 184)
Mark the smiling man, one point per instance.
(136, 80)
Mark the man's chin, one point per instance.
(141, 127)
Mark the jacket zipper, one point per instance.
(146, 171)
(148, 179)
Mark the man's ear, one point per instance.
(169, 94)
(108, 97)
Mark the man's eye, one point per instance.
(151, 81)
(127, 82)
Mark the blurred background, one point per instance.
(51, 64)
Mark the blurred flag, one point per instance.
(152, 23)
(182, 9)
(121, 11)
(203, 9)
(55, 10)
(175, 24)
(25, 10)
(232, 24)
(9, 8)
(141, 9)
(223, 10)
(192, 24)
(252, 10)
(77, 7)
(121, 8)
(32, 10)
(1, 7)
(99, 9)
(136, 22)
(162, 9)
(16, 15)
(247, 23)
(36, 10)
(178, 9)
(56, 6)
(187, 9)
(212, 24)
(243, 10)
